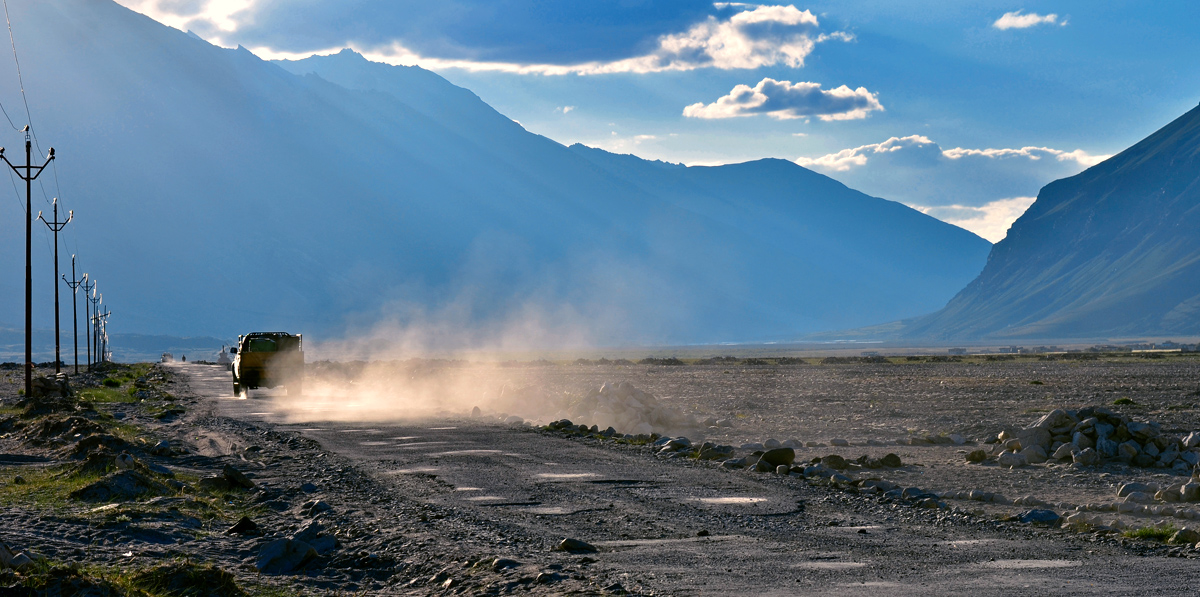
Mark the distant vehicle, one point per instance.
(168, 357)
(268, 360)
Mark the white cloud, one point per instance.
(915, 170)
(564, 109)
(1016, 20)
(1079, 156)
(784, 100)
(219, 15)
(858, 156)
(991, 220)
(757, 36)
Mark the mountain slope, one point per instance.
(217, 193)
(1110, 252)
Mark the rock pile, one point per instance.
(1094, 435)
(628, 410)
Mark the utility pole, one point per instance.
(29, 176)
(74, 285)
(88, 287)
(57, 227)
(104, 334)
(96, 299)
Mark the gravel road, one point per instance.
(682, 527)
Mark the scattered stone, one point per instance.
(839, 443)
(833, 461)
(575, 546)
(1040, 517)
(244, 526)
(284, 555)
(1184, 535)
(1064, 452)
(162, 448)
(1011, 460)
(499, 564)
(308, 488)
(314, 507)
(1129, 488)
(702, 533)
(1034, 454)
(235, 477)
(779, 457)
(772, 444)
(891, 461)
(977, 456)
(1086, 457)
(214, 483)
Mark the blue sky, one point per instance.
(962, 110)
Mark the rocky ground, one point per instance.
(161, 481)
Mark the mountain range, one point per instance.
(216, 193)
(1113, 252)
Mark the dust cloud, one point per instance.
(437, 369)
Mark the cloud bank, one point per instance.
(754, 36)
(785, 100)
(982, 190)
(1016, 20)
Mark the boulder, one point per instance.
(1192, 440)
(1040, 517)
(1184, 535)
(236, 478)
(977, 456)
(1129, 450)
(1129, 488)
(575, 546)
(284, 555)
(1086, 457)
(833, 461)
(1064, 452)
(891, 460)
(1034, 455)
(1034, 436)
(1011, 459)
(1190, 492)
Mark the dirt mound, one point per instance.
(188, 580)
(122, 485)
(100, 442)
(61, 429)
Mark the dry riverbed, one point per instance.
(160, 481)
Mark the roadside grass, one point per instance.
(178, 578)
(45, 488)
(106, 395)
(1160, 534)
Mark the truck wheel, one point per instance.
(237, 388)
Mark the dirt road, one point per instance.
(681, 527)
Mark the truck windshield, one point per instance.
(261, 345)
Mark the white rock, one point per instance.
(1063, 452)
(1034, 455)
(1192, 440)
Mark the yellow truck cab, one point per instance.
(268, 360)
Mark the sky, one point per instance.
(960, 110)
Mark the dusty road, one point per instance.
(515, 492)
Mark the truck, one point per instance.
(268, 360)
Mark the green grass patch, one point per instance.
(1160, 534)
(47, 488)
(105, 395)
(1124, 401)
